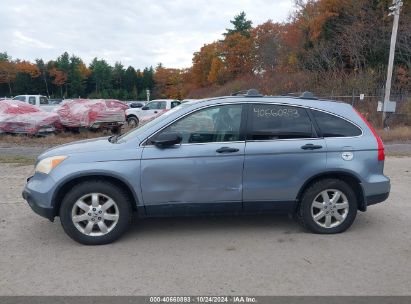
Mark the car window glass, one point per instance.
(32, 100)
(162, 105)
(21, 98)
(174, 104)
(43, 101)
(152, 105)
(270, 122)
(333, 126)
(215, 124)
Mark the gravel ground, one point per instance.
(254, 255)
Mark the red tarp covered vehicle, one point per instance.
(92, 113)
(20, 117)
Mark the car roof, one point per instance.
(337, 107)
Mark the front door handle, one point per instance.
(311, 147)
(155, 112)
(227, 150)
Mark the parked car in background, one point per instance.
(92, 114)
(150, 111)
(136, 104)
(318, 160)
(18, 117)
(36, 100)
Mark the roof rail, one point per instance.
(308, 95)
(248, 93)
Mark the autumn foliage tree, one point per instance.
(326, 46)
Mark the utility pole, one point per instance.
(395, 10)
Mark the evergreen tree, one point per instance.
(241, 25)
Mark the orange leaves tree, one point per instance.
(8, 71)
(59, 78)
(170, 83)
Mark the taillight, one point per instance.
(381, 152)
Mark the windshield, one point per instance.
(133, 133)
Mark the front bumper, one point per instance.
(38, 200)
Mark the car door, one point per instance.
(282, 152)
(203, 174)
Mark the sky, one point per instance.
(138, 32)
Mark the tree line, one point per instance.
(326, 46)
(69, 77)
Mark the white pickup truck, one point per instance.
(154, 108)
(36, 100)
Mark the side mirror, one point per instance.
(145, 108)
(167, 139)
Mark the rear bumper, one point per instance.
(375, 199)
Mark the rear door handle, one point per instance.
(311, 147)
(227, 150)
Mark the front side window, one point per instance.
(155, 105)
(32, 100)
(214, 124)
(271, 122)
(333, 126)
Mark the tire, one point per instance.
(116, 217)
(315, 210)
(132, 121)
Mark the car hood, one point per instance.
(82, 146)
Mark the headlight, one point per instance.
(49, 163)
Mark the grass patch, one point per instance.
(395, 134)
(397, 154)
(49, 140)
(17, 160)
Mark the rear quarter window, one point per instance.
(333, 126)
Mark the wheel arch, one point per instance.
(351, 179)
(132, 115)
(67, 184)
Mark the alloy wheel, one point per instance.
(330, 208)
(95, 214)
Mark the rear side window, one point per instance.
(43, 100)
(333, 126)
(270, 122)
(32, 100)
(175, 104)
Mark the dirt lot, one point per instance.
(256, 255)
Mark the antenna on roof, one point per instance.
(308, 95)
(248, 93)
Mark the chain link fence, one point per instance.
(367, 105)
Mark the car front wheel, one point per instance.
(95, 213)
(328, 206)
(132, 122)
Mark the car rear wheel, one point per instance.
(132, 122)
(95, 213)
(328, 206)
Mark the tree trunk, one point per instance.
(47, 87)
(10, 88)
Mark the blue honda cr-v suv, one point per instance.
(319, 160)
